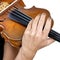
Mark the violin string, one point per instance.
(14, 17)
(21, 14)
(19, 17)
(24, 15)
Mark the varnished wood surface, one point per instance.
(14, 29)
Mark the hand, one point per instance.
(35, 37)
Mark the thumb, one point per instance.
(48, 41)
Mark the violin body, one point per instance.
(12, 31)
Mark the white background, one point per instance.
(51, 52)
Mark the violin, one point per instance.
(11, 30)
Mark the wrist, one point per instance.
(27, 53)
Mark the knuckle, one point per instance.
(32, 34)
(38, 36)
(27, 33)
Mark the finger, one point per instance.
(41, 23)
(34, 24)
(47, 28)
(28, 27)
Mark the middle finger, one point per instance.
(41, 23)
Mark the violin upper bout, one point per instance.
(21, 3)
(34, 11)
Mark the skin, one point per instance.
(34, 38)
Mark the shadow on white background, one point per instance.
(51, 52)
